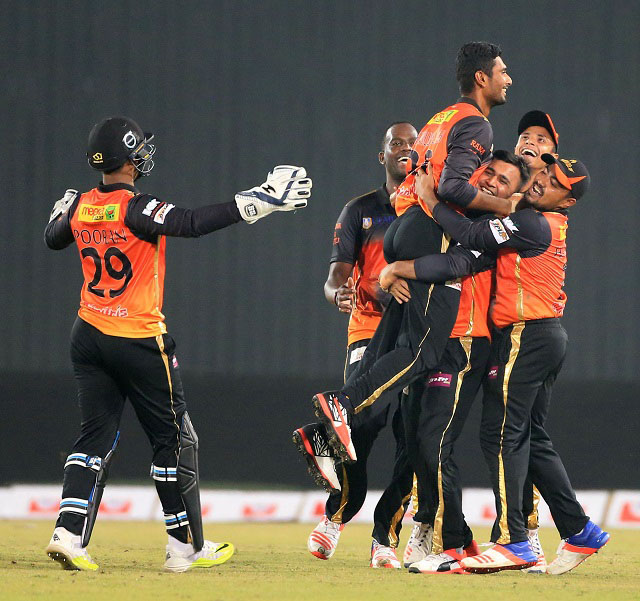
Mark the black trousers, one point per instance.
(433, 425)
(411, 337)
(108, 370)
(528, 356)
(343, 505)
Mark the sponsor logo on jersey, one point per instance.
(477, 146)
(442, 117)
(158, 210)
(174, 362)
(498, 230)
(95, 214)
(492, 374)
(162, 212)
(512, 226)
(152, 204)
(356, 354)
(440, 379)
(366, 223)
(563, 232)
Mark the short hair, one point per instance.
(384, 138)
(507, 156)
(473, 57)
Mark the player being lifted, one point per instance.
(120, 348)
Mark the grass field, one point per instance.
(272, 563)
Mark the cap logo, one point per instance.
(129, 139)
(569, 163)
(97, 157)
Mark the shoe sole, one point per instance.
(59, 555)
(323, 413)
(302, 444)
(490, 570)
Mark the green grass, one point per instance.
(272, 563)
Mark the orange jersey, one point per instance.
(123, 274)
(529, 286)
(473, 313)
(443, 133)
(357, 240)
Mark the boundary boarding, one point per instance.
(611, 509)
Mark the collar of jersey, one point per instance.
(113, 187)
(468, 100)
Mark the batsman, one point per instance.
(120, 348)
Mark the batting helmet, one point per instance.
(116, 140)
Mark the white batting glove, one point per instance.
(62, 205)
(287, 188)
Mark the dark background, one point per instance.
(231, 89)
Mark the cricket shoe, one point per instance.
(574, 550)
(324, 538)
(540, 566)
(514, 556)
(311, 441)
(330, 410)
(383, 557)
(182, 556)
(446, 562)
(419, 544)
(66, 548)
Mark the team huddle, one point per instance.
(452, 273)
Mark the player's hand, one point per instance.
(515, 201)
(62, 206)
(387, 277)
(345, 296)
(400, 290)
(426, 186)
(287, 188)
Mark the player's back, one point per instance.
(123, 273)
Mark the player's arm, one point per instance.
(339, 288)
(469, 146)
(287, 188)
(58, 234)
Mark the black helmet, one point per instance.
(115, 140)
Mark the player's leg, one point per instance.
(151, 374)
(392, 506)
(101, 403)
(451, 391)
(581, 537)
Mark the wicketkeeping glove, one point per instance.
(62, 205)
(287, 188)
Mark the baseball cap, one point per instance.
(571, 173)
(541, 120)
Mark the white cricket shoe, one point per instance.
(324, 538)
(439, 563)
(574, 550)
(536, 547)
(182, 556)
(419, 544)
(66, 548)
(383, 557)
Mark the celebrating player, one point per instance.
(527, 354)
(120, 347)
(411, 337)
(352, 285)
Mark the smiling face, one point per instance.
(532, 143)
(397, 145)
(495, 92)
(500, 179)
(546, 193)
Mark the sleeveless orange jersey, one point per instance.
(433, 139)
(531, 287)
(123, 275)
(473, 313)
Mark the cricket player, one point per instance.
(120, 348)
(527, 353)
(352, 285)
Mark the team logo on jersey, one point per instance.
(442, 117)
(93, 214)
(367, 222)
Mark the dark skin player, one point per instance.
(339, 288)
